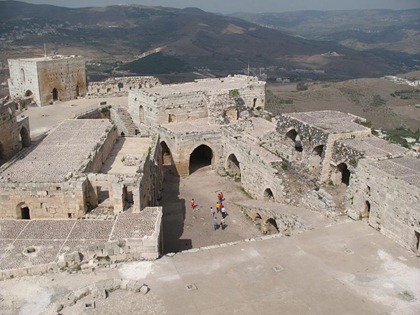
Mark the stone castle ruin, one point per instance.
(324, 160)
(48, 79)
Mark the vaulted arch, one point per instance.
(200, 157)
(233, 167)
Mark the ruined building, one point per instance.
(14, 131)
(325, 160)
(48, 79)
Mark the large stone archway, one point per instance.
(200, 157)
(294, 136)
(233, 167)
(25, 139)
(166, 154)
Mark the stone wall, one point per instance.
(120, 86)
(391, 204)
(48, 79)
(14, 131)
(44, 200)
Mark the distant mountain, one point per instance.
(360, 29)
(189, 40)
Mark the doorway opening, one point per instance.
(201, 156)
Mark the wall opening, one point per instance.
(103, 197)
(55, 94)
(318, 151)
(171, 118)
(122, 134)
(416, 241)
(120, 86)
(268, 195)
(24, 137)
(77, 91)
(366, 211)
(293, 135)
(141, 114)
(25, 213)
(28, 93)
(2, 154)
(233, 167)
(166, 154)
(201, 156)
(272, 223)
(345, 173)
(254, 103)
(22, 75)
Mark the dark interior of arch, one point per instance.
(318, 150)
(268, 194)
(200, 157)
(345, 173)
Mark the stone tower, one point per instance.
(48, 79)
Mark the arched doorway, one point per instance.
(233, 167)
(24, 137)
(345, 173)
(268, 195)
(166, 154)
(201, 156)
(2, 154)
(23, 212)
(55, 94)
(293, 135)
(141, 114)
(22, 75)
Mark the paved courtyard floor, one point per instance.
(338, 267)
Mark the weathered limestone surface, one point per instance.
(388, 192)
(48, 79)
(120, 85)
(14, 131)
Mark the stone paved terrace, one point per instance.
(330, 121)
(226, 84)
(197, 125)
(61, 152)
(374, 147)
(51, 238)
(405, 168)
(126, 148)
(260, 127)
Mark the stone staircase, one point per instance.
(127, 122)
(327, 158)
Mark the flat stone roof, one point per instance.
(126, 149)
(49, 58)
(261, 127)
(226, 83)
(405, 168)
(329, 120)
(60, 153)
(374, 147)
(196, 125)
(51, 238)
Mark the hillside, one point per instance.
(378, 100)
(199, 41)
(396, 31)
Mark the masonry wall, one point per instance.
(257, 174)
(24, 79)
(183, 145)
(44, 200)
(67, 75)
(394, 204)
(121, 85)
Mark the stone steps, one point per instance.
(127, 121)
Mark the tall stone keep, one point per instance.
(48, 79)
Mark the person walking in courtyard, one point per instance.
(222, 223)
(220, 197)
(215, 224)
(212, 211)
(217, 207)
(223, 211)
(192, 204)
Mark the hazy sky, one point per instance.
(229, 6)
